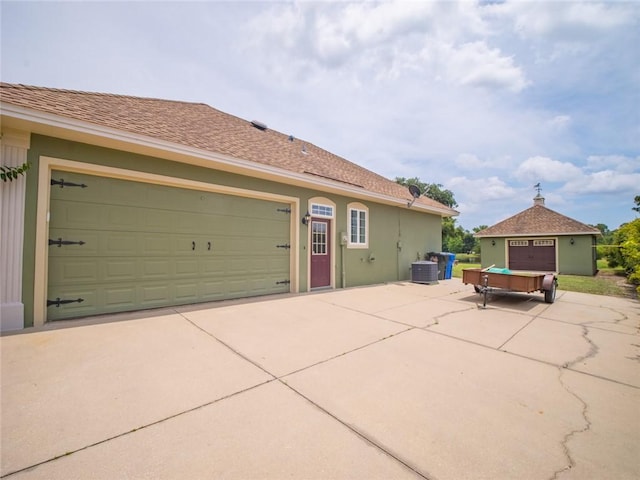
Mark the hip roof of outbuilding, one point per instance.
(538, 220)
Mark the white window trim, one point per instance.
(323, 205)
(359, 207)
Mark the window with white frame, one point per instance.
(358, 225)
(319, 210)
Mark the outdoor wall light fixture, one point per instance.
(572, 241)
(306, 219)
(493, 243)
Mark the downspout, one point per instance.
(398, 249)
(343, 272)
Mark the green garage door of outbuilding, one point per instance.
(146, 245)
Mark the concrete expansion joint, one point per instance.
(501, 347)
(136, 429)
(364, 436)
(347, 352)
(244, 357)
(282, 380)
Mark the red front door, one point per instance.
(320, 253)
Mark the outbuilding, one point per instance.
(540, 239)
(133, 203)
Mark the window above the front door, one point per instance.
(358, 225)
(319, 210)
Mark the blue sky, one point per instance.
(485, 98)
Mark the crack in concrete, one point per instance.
(565, 441)
(446, 314)
(593, 351)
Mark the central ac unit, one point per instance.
(424, 272)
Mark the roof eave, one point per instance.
(543, 234)
(67, 128)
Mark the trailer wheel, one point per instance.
(550, 293)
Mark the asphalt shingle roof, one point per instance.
(538, 220)
(200, 126)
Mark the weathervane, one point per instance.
(538, 187)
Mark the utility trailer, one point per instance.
(488, 279)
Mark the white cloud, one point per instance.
(619, 163)
(566, 21)
(559, 122)
(437, 40)
(536, 169)
(481, 189)
(475, 64)
(469, 161)
(605, 181)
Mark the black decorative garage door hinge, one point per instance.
(63, 184)
(59, 301)
(59, 242)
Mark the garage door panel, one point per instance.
(122, 218)
(156, 245)
(116, 270)
(153, 295)
(156, 268)
(75, 215)
(187, 267)
(119, 297)
(213, 266)
(186, 292)
(139, 246)
(78, 271)
(211, 290)
(122, 244)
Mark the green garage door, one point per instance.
(146, 246)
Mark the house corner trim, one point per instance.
(14, 145)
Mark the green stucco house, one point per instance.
(539, 239)
(136, 203)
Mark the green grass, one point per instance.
(596, 285)
(605, 283)
(458, 267)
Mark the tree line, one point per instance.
(455, 239)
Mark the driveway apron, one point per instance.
(391, 381)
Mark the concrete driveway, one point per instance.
(392, 382)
